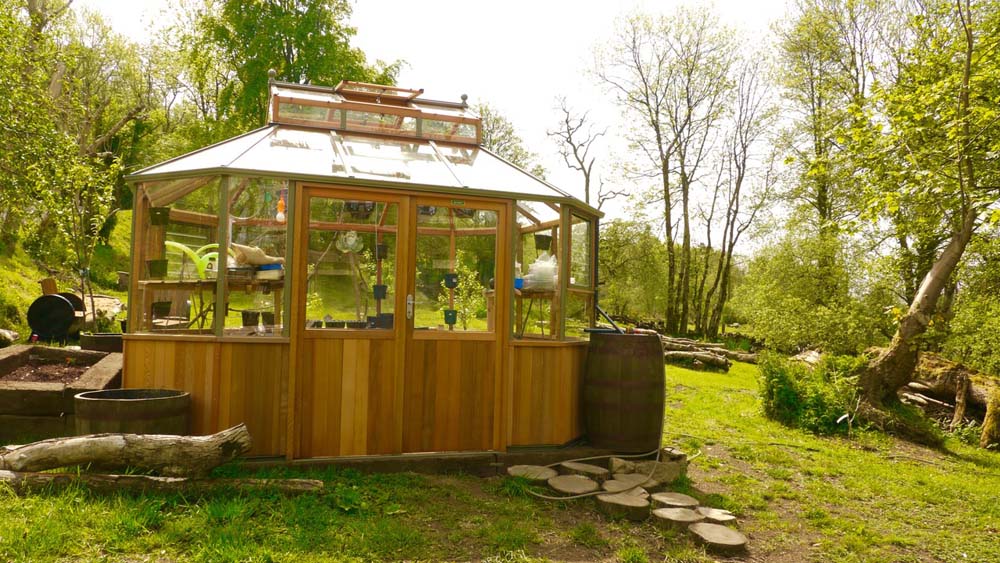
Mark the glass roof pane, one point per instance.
(396, 160)
(481, 170)
(316, 96)
(293, 151)
(213, 156)
(537, 210)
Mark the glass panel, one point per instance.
(256, 274)
(581, 252)
(478, 169)
(456, 264)
(177, 282)
(351, 264)
(448, 130)
(536, 268)
(292, 151)
(396, 160)
(304, 112)
(579, 314)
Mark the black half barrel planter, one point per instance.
(133, 411)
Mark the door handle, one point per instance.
(409, 307)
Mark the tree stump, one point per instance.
(625, 481)
(674, 500)
(676, 518)
(627, 505)
(719, 538)
(573, 484)
(991, 424)
(533, 473)
(594, 472)
(716, 516)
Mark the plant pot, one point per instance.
(450, 316)
(334, 324)
(267, 318)
(380, 291)
(357, 324)
(101, 341)
(156, 269)
(543, 242)
(159, 216)
(250, 318)
(161, 309)
(451, 281)
(381, 251)
(359, 209)
(384, 320)
(124, 324)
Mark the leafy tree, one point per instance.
(304, 41)
(500, 136)
(631, 268)
(467, 299)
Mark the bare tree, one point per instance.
(576, 137)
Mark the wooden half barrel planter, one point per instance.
(133, 411)
(623, 392)
(33, 410)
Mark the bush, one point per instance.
(810, 398)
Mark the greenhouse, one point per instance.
(361, 277)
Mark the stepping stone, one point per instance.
(672, 454)
(595, 472)
(641, 478)
(623, 482)
(573, 484)
(676, 518)
(533, 473)
(716, 515)
(630, 506)
(674, 500)
(718, 538)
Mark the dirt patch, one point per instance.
(47, 371)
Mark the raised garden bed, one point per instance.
(37, 385)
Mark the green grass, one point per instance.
(799, 497)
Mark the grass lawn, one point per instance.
(799, 498)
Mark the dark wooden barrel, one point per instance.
(623, 392)
(133, 411)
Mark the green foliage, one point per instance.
(304, 41)
(974, 337)
(810, 398)
(587, 535)
(792, 300)
(631, 554)
(500, 136)
(632, 267)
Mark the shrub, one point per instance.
(811, 398)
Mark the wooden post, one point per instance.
(48, 286)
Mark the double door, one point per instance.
(400, 306)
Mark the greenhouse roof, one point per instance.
(352, 159)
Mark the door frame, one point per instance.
(402, 333)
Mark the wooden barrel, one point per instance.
(623, 392)
(133, 411)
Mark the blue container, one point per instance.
(518, 283)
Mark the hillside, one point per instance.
(20, 274)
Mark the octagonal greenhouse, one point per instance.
(361, 277)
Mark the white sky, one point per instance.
(518, 55)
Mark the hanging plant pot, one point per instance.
(267, 318)
(381, 251)
(451, 280)
(161, 309)
(250, 318)
(156, 269)
(464, 212)
(543, 242)
(380, 291)
(360, 209)
(450, 316)
(159, 216)
(426, 210)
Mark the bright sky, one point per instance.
(518, 55)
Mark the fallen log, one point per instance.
(24, 482)
(706, 358)
(739, 356)
(687, 345)
(173, 456)
(941, 379)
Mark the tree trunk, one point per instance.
(893, 367)
(991, 424)
(960, 394)
(26, 482)
(177, 456)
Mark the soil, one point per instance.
(47, 372)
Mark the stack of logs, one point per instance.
(699, 353)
